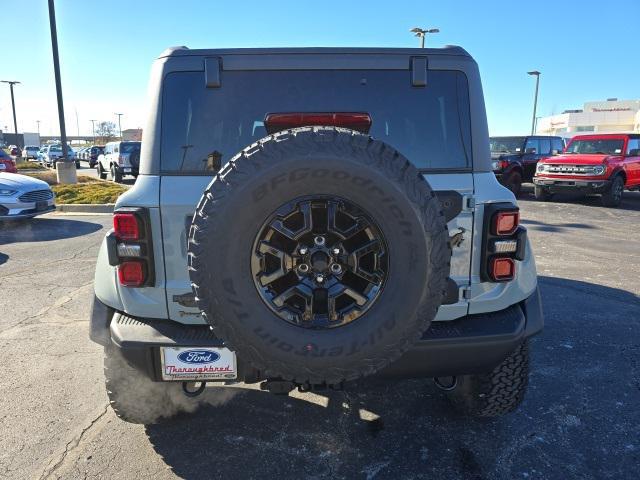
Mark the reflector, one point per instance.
(503, 269)
(131, 274)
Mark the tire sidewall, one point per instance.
(238, 311)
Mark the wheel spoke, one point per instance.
(319, 262)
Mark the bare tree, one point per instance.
(105, 132)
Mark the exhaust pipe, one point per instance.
(446, 383)
(188, 388)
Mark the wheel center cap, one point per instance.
(320, 261)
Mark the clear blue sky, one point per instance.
(585, 52)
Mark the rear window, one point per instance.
(430, 125)
(129, 147)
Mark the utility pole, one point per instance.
(38, 123)
(66, 172)
(93, 129)
(535, 100)
(421, 33)
(119, 126)
(13, 106)
(77, 123)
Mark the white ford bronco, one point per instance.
(304, 218)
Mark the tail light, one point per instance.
(504, 242)
(276, 122)
(129, 247)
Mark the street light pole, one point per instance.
(38, 123)
(422, 33)
(535, 100)
(93, 129)
(119, 126)
(13, 106)
(69, 170)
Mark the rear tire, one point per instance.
(116, 175)
(101, 173)
(542, 194)
(498, 392)
(514, 183)
(613, 196)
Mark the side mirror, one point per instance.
(530, 150)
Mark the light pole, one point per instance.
(535, 100)
(66, 174)
(38, 123)
(421, 32)
(119, 126)
(13, 106)
(93, 129)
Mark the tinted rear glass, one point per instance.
(430, 125)
(129, 147)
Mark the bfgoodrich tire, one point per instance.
(332, 167)
(498, 392)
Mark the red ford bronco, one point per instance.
(602, 164)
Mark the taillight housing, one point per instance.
(504, 241)
(129, 247)
(276, 122)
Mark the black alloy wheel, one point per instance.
(319, 262)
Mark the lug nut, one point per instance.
(336, 268)
(319, 240)
(335, 251)
(320, 278)
(303, 267)
(303, 250)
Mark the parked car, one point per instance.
(23, 197)
(514, 159)
(15, 151)
(119, 159)
(6, 163)
(51, 154)
(92, 154)
(30, 151)
(603, 164)
(40, 155)
(330, 247)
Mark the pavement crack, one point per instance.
(72, 444)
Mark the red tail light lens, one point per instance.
(131, 274)
(275, 122)
(505, 223)
(126, 226)
(503, 269)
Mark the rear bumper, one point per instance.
(572, 185)
(472, 344)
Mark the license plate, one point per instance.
(41, 206)
(197, 364)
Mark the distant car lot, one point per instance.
(580, 418)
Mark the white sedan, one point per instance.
(24, 197)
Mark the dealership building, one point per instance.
(610, 116)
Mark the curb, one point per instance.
(85, 207)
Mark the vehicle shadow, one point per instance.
(583, 393)
(44, 229)
(3, 258)
(557, 227)
(630, 200)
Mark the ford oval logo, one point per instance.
(198, 356)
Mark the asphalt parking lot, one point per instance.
(579, 420)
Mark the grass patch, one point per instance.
(90, 192)
(87, 190)
(29, 166)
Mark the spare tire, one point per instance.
(319, 255)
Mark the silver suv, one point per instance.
(308, 217)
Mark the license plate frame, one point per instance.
(42, 205)
(198, 364)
